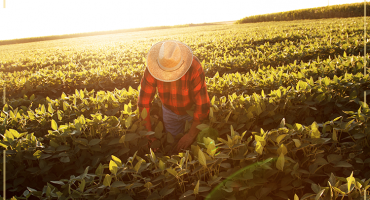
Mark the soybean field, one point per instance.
(287, 121)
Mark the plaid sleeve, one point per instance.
(147, 91)
(200, 94)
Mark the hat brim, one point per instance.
(168, 76)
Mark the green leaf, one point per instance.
(65, 159)
(210, 145)
(54, 125)
(204, 189)
(320, 161)
(31, 115)
(280, 137)
(43, 110)
(307, 195)
(153, 158)
(94, 142)
(315, 133)
(338, 190)
(117, 160)
(334, 158)
(118, 184)
(65, 105)
(63, 96)
(48, 190)
(50, 108)
(208, 132)
(82, 141)
(15, 133)
(31, 189)
(138, 165)
(297, 143)
(148, 185)
(3, 145)
(202, 158)
(37, 154)
(259, 148)
(280, 162)
(187, 194)
(166, 191)
(296, 197)
(282, 123)
(113, 167)
(128, 121)
(58, 182)
(196, 189)
(172, 171)
(82, 95)
(320, 97)
(343, 164)
(85, 172)
(202, 126)
(131, 136)
(158, 130)
(298, 127)
(60, 116)
(144, 113)
(259, 138)
(335, 136)
(170, 138)
(282, 150)
(8, 136)
(318, 195)
(99, 170)
(161, 165)
(350, 181)
(107, 180)
(82, 185)
(315, 188)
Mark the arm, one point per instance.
(202, 106)
(188, 138)
(146, 95)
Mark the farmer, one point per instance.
(178, 75)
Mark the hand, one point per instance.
(188, 138)
(185, 142)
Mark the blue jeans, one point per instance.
(174, 123)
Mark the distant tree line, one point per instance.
(335, 11)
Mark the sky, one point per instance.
(35, 18)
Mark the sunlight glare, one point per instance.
(35, 18)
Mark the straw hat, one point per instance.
(169, 60)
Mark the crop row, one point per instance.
(266, 78)
(113, 112)
(339, 90)
(53, 83)
(296, 152)
(106, 68)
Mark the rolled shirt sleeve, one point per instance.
(148, 86)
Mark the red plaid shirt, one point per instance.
(178, 96)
